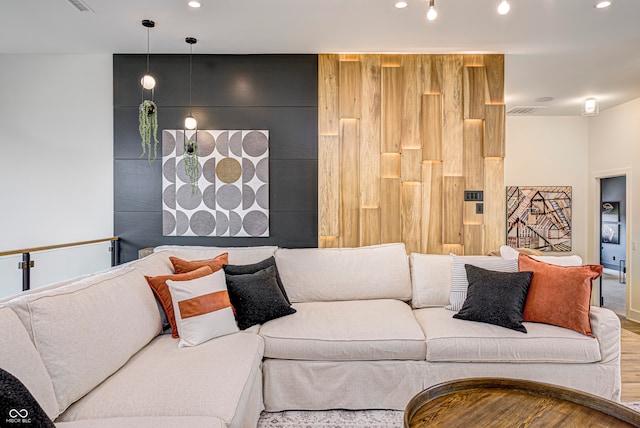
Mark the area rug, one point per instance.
(346, 418)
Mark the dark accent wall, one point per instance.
(274, 92)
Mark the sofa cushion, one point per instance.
(330, 274)
(237, 255)
(183, 266)
(430, 279)
(559, 295)
(571, 260)
(459, 281)
(147, 422)
(202, 309)
(454, 340)
(495, 297)
(17, 403)
(19, 357)
(257, 297)
(84, 334)
(350, 330)
(214, 379)
(161, 290)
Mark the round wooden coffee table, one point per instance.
(494, 402)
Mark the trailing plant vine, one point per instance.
(148, 127)
(191, 163)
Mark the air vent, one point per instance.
(80, 5)
(524, 110)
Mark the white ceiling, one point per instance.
(564, 49)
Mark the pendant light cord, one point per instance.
(190, 73)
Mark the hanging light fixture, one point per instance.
(504, 7)
(147, 81)
(148, 111)
(190, 156)
(432, 13)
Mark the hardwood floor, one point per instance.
(630, 360)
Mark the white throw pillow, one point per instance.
(507, 252)
(459, 283)
(202, 309)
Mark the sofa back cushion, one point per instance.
(430, 279)
(19, 357)
(329, 274)
(85, 332)
(237, 255)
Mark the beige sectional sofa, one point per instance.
(369, 332)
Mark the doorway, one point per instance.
(613, 232)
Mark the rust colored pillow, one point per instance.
(160, 288)
(559, 295)
(183, 266)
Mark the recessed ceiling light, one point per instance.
(601, 4)
(194, 3)
(544, 99)
(401, 4)
(504, 7)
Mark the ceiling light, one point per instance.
(147, 81)
(401, 4)
(601, 4)
(590, 107)
(432, 13)
(194, 3)
(504, 7)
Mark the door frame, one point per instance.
(630, 312)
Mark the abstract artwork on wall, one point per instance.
(539, 218)
(232, 196)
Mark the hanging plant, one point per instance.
(191, 163)
(148, 126)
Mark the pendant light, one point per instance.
(432, 13)
(190, 155)
(148, 111)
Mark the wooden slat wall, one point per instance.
(401, 138)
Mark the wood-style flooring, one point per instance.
(630, 360)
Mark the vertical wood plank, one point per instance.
(431, 208)
(473, 60)
(390, 165)
(349, 183)
(349, 57)
(392, 60)
(391, 109)
(349, 93)
(494, 130)
(329, 185)
(431, 127)
(473, 166)
(390, 202)
(452, 217)
(370, 131)
(473, 239)
(411, 216)
(369, 226)
(494, 65)
(452, 117)
(456, 249)
(328, 242)
(432, 69)
(411, 161)
(473, 83)
(328, 119)
(494, 205)
(411, 96)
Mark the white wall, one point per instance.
(551, 151)
(614, 148)
(56, 140)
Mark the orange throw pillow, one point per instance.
(160, 288)
(559, 295)
(182, 266)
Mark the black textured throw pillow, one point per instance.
(495, 297)
(17, 405)
(253, 268)
(257, 298)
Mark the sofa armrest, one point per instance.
(605, 326)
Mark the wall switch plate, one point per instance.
(479, 208)
(634, 245)
(473, 195)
